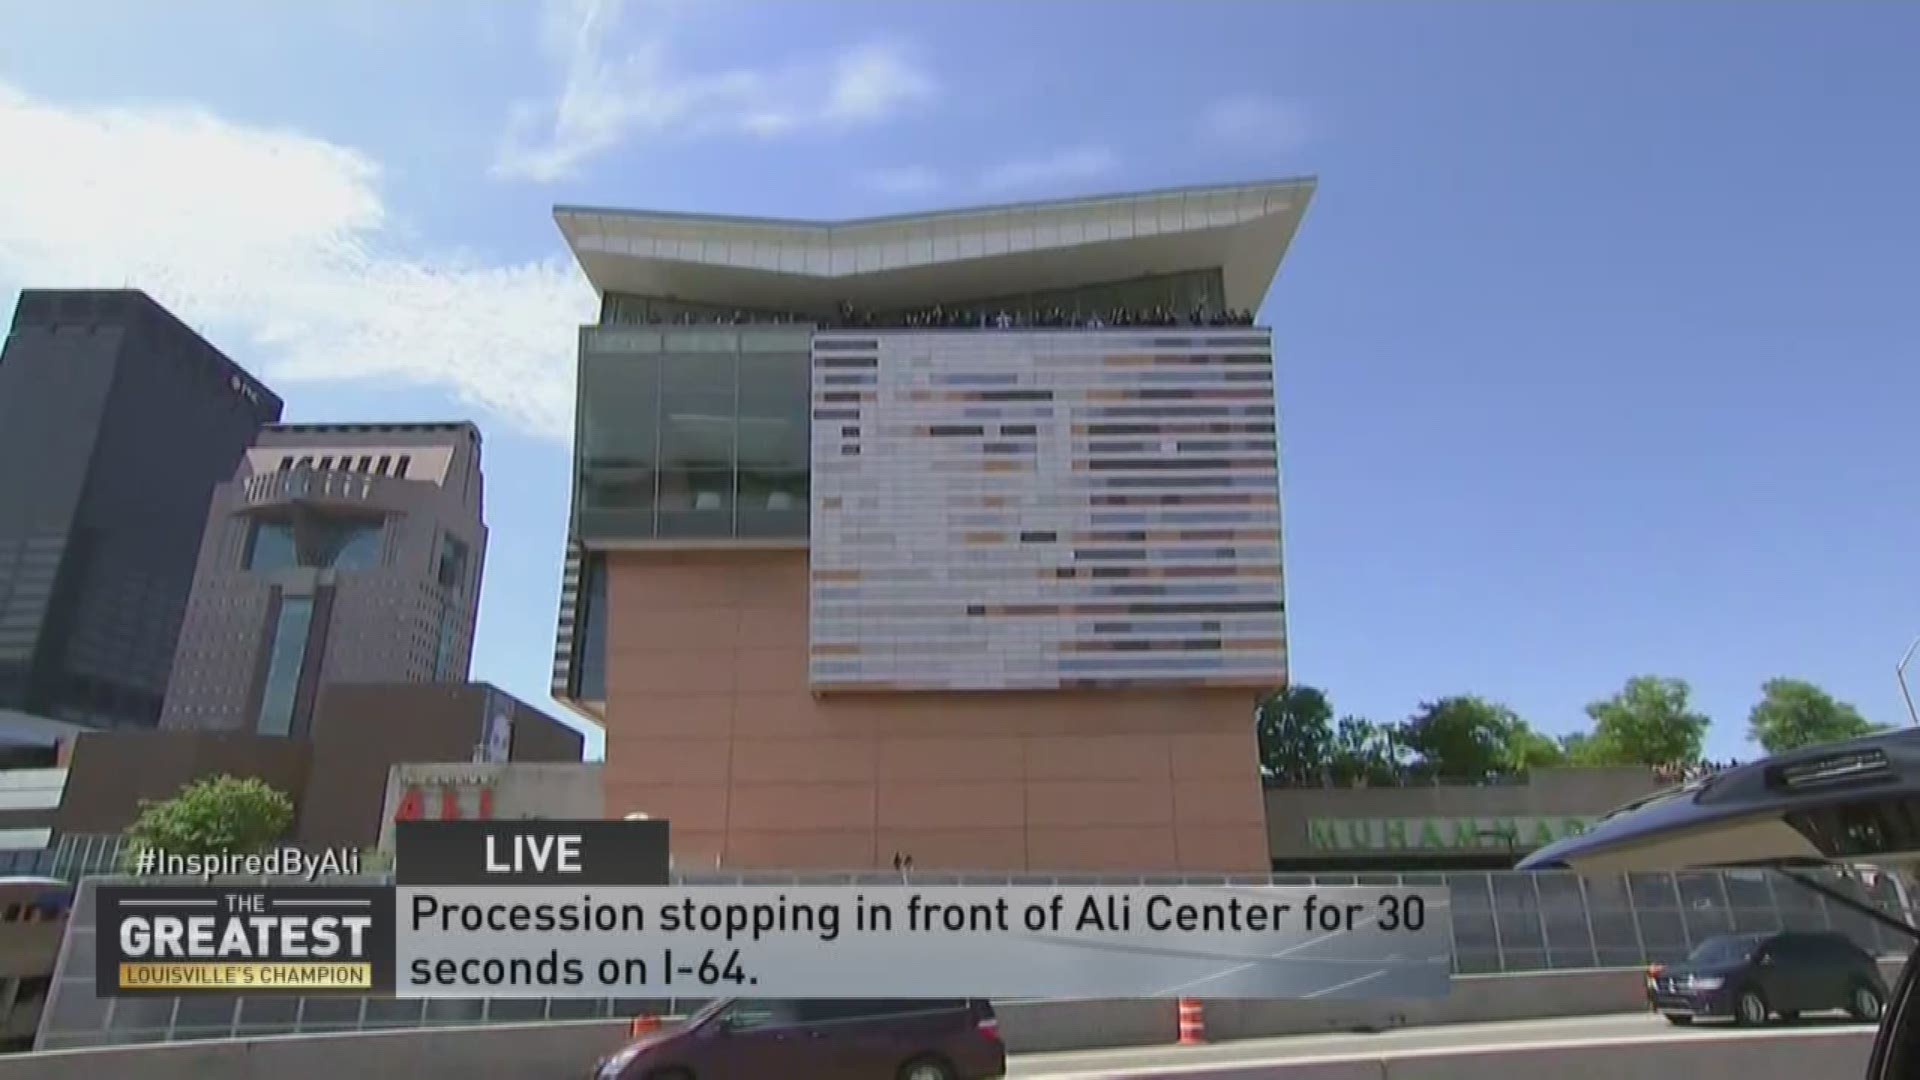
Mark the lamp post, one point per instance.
(1900, 672)
(1511, 837)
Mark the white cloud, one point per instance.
(280, 246)
(1066, 166)
(605, 99)
(873, 81)
(904, 180)
(1254, 122)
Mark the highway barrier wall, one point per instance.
(1829, 1054)
(1041, 1026)
(565, 1049)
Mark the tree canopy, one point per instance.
(1648, 722)
(1793, 713)
(214, 815)
(1364, 752)
(1462, 737)
(1295, 731)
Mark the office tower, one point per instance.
(338, 553)
(953, 536)
(116, 422)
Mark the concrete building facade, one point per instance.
(955, 536)
(1430, 826)
(491, 791)
(337, 776)
(337, 553)
(117, 421)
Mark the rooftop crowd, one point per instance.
(1686, 773)
(940, 317)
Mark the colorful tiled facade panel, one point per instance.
(1045, 509)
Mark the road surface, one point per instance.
(1172, 1060)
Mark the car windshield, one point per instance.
(706, 1011)
(1723, 950)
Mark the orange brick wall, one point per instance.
(710, 724)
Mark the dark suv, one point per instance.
(1750, 977)
(803, 1040)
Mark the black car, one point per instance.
(836, 1039)
(1748, 978)
(1846, 803)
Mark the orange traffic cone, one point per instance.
(643, 1025)
(1193, 1024)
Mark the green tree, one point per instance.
(1528, 749)
(1363, 752)
(1793, 713)
(1295, 731)
(217, 814)
(1582, 749)
(1465, 737)
(1647, 723)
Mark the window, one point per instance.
(694, 434)
(355, 546)
(446, 656)
(288, 652)
(318, 543)
(400, 467)
(286, 464)
(451, 570)
(619, 436)
(306, 461)
(590, 656)
(751, 1015)
(326, 463)
(270, 547)
(385, 462)
(697, 432)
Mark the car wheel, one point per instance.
(1865, 1004)
(1679, 1021)
(926, 1068)
(1751, 1009)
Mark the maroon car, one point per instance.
(802, 1040)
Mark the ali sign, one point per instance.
(449, 798)
(1441, 834)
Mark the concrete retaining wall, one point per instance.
(1833, 1054)
(1080, 1025)
(513, 1053)
(506, 1052)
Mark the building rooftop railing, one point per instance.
(1414, 776)
(333, 485)
(940, 318)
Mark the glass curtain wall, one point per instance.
(693, 435)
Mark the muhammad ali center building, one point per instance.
(954, 536)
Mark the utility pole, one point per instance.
(1900, 672)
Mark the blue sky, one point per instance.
(1596, 347)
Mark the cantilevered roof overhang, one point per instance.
(950, 256)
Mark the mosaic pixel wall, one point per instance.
(1045, 509)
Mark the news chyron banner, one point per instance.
(546, 909)
(290, 939)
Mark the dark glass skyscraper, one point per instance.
(116, 422)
